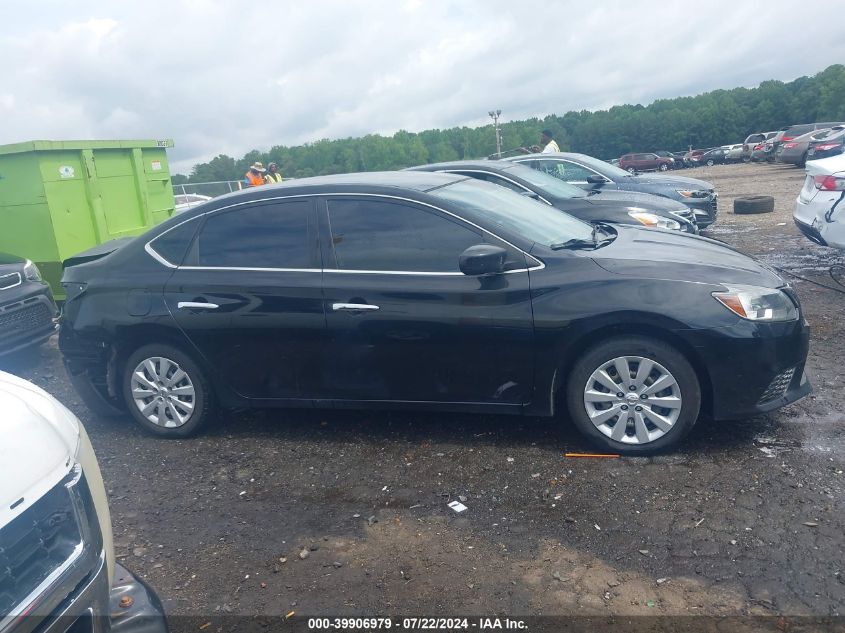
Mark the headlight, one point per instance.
(654, 221)
(757, 304)
(31, 272)
(692, 193)
(88, 461)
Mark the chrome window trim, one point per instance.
(158, 257)
(497, 175)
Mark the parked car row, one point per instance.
(796, 144)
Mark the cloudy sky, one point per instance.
(225, 77)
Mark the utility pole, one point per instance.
(495, 114)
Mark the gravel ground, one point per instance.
(345, 512)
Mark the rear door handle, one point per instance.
(354, 307)
(196, 305)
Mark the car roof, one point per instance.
(491, 165)
(418, 181)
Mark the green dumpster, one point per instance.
(58, 198)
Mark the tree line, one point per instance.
(713, 118)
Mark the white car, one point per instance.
(733, 153)
(57, 563)
(820, 208)
(185, 201)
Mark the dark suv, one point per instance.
(420, 290)
(27, 309)
(645, 162)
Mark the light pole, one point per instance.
(495, 114)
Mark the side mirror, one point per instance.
(596, 179)
(482, 259)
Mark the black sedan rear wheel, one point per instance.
(633, 395)
(166, 391)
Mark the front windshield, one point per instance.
(606, 169)
(555, 187)
(499, 207)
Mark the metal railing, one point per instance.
(210, 189)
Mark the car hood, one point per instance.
(645, 253)
(40, 441)
(682, 182)
(645, 201)
(7, 259)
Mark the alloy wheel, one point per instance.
(163, 392)
(633, 400)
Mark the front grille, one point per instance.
(36, 543)
(10, 281)
(24, 316)
(777, 388)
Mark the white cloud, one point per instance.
(224, 78)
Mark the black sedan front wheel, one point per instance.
(166, 391)
(633, 395)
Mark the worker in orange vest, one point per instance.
(255, 175)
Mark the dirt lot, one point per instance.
(747, 518)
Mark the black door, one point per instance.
(248, 297)
(404, 324)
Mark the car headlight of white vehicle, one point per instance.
(756, 303)
(654, 221)
(88, 460)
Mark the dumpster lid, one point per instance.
(48, 146)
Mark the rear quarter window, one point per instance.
(173, 245)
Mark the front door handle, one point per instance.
(354, 307)
(196, 305)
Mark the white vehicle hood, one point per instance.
(39, 443)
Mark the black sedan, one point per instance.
(715, 156)
(593, 174)
(618, 207)
(429, 291)
(27, 309)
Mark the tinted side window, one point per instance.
(264, 235)
(173, 245)
(394, 236)
(566, 170)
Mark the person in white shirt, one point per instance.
(547, 144)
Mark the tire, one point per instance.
(754, 204)
(631, 170)
(663, 167)
(711, 162)
(157, 364)
(638, 435)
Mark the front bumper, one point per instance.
(94, 608)
(705, 209)
(26, 318)
(753, 368)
